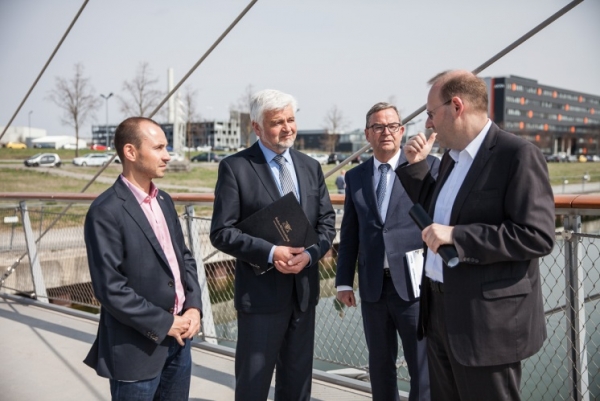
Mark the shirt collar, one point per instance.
(473, 147)
(392, 162)
(269, 154)
(140, 195)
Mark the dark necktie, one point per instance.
(285, 178)
(382, 185)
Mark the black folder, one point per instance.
(283, 222)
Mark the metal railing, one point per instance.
(51, 266)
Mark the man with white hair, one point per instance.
(276, 309)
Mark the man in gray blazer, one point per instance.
(377, 232)
(276, 309)
(493, 202)
(143, 275)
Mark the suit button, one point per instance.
(385, 230)
(171, 284)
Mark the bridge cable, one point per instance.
(476, 71)
(45, 66)
(11, 268)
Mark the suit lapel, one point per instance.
(130, 204)
(397, 191)
(368, 185)
(444, 172)
(481, 158)
(263, 171)
(170, 218)
(301, 176)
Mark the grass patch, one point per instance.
(202, 175)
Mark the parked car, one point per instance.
(92, 159)
(72, 146)
(552, 158)
(336, 158)
(44, 160)
(97, 146)
(206, 157)
(593, 158)
(16, 145)
(582, 159)
(321, 158)
(176, 157)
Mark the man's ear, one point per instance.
(130, 152)
(256, 128)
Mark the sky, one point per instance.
(349, 54)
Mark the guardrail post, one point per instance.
(208, 322)
(34, 263)
(575, 312)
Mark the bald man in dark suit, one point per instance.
(493, 202)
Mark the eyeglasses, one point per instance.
(380, 128)
(430, 112)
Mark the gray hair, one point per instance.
(267, 100)
(381, 106)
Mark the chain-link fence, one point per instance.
(568, 363)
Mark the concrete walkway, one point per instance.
(41, 353)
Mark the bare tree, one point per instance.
(77, 98)
(143, 97)
(334, 124)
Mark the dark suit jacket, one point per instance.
(364, 237)
(246, 185)
(134, 284)
(503, 220)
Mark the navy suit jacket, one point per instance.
(246, 185)
(134, 284)
(364, 237)
(503, 219)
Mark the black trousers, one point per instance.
(451, 381)
(383, 321)
(283, 339)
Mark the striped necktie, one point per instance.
(382, 185)
(285, 178)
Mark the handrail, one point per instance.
(572, 201)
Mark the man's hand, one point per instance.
(436, 235)
(181, 325)
(418, 147)
(193, 315)
(290, 260)
(346, 297)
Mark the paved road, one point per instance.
(42, 352)
(85, 177)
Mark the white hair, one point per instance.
(267, 100)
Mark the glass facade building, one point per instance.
(556, 120)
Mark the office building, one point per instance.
(556, 120)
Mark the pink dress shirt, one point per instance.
(156, 218)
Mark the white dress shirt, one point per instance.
(445, 201)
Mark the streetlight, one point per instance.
(29, 120)
(106, 126)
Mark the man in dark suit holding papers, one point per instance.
(276, 309)
(493, 203)
(377, 232)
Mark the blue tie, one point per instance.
(382, 185)
(285, 178)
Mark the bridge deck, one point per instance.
(42, 352)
